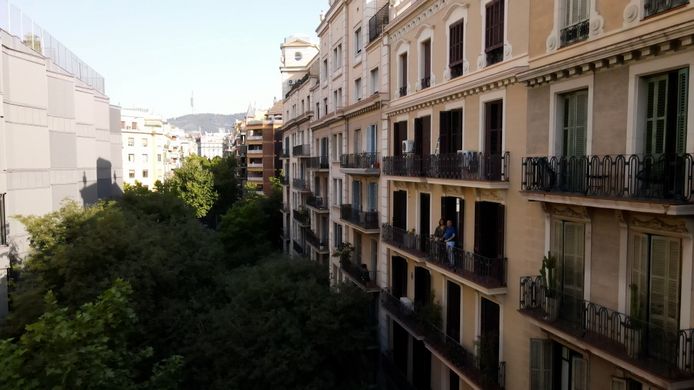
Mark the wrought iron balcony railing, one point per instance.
(426, 82)
(301, 215)
(574, 33)
(487, 375)
(315, 241)
(367, 160)
(317, 202)
(664, 177)
(378, 22)
(365, 278)
(653, 7)
(488, 272)
(320, 162)
(474, 166)
(301, 184)
(301, 150)
(285, 153)
(364, 219)
(402, 91)
(668, 352)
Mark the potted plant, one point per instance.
(344, 252)
(549, 278)
(633, 324)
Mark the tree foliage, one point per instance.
(89, 349)
(193, 183)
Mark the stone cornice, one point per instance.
(373, 102)
(305, 117)
(395, 32)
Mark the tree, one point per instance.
(227, 185)
(283, 327)
(193, 183)
(89, 349)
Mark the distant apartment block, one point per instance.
(60, 137)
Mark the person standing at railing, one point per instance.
(449, 238)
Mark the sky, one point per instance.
(155, 53)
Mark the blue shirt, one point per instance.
(449, 233)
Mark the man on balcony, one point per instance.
(449, 239)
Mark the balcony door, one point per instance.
(371, 139)
(357, 141)
(573, 119)
(489, 338)
(399, 277)
(399, 135)
(372, 192)
(422, 136)
(422, 286)
(453, 311)
(450, 132)
(656, 279)
(489, 229)
(356, 195)
(493, 138)
(400, 209)
(567, 243)
(401, 340)
(421, 366)
(424, 219)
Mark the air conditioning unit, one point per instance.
(407, 146)
(407, 303)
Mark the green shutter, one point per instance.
(656, 114)
(664, 282)
(682, 105)
(639, 267)
(540, 364)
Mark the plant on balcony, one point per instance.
(344, 252)
(549, 278)
(487, 358)
(429, 312)
(633, 324)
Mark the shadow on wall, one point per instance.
(106, 186)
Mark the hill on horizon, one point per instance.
(206, 122)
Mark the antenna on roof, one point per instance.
(192, 103)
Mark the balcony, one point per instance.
(284, 180)
(285, 153)
(483, 273)
(255, 151)
(362, 277)
(468, 166)
(301, 185)
(301, 216)
(402, 91)
(425, 82)
(574, 33)
(298, 248)
(320, 163)
(487, 376)
(378, 22)
(654, 7)
(629, 342)
(317, 203)
(366, 221)
(663, 179)
(301, 150)
(321, 245)
(360, 163)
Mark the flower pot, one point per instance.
(551, 308)
(632, 340)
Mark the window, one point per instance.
(554, 366)
(337, 58)
(374, 81)
(456, 56)
(357, 89)
(666, 112)
(652, 7)
(159, 157)
(403, 74)
(333, 147)
(356, 195)
(371, 143)
(325, 106)
(131, 158)
(373, 197)
(358, 41)
(122, 124)
(317, 110)
(574, 121)
(339, 146)
(337, 230)
(335, 99)
(131, 174)
(145, 158)
(324, 73)
(134, 126)
(494, 31)
(575, 23)
(131, 141)
(298, 56)
(567, 243)
(357, 141)
(425, 64)
(145, 142)
(451, 131)
(145, 173)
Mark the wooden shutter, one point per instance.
(493, 127)
(681, 120)
(418, 136)
(500, 230)
(579, 371)
(478, 226)
(664, 289)
(494, 34)
(456, 43)
(540, 364)
(444, 132)
(656, 114)
(427, 58)
(575, 123)
(456, 124)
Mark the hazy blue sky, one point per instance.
(153, 53)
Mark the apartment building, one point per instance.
(145, 147)
(550, 137)
(607, 176)
(259, 156)
(59, 136)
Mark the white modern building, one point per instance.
(59, 134)
(213, 145)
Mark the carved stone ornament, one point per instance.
(574, 212)
(453, 190)
(631, 13)
(552, 42)
(596, 24)
(447, 74)
(490, 195)
(466, 66)
(619, 214)
(481, 61)
(508, 50)
(659, 224)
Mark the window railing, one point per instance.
(402, 91)
(320, 162)
(3, 221)
(364, 219)
(317, 202)
(378, 22)
(301, 216)
(301, 150)
(364, 277)
(314, 241)
(301, 184)
(285, 153)
(665, 177)
(574, 33)
(489, 272)
(368, 160)
(665, 351)
(474, 166)
(653, 7)
(465, 360)
(426, 82)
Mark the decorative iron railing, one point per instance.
(466, 361)
(368, 160)
(364, 219)
(652, 7)
(301, 215)
(474, 166)
(285, 153)
(364, 277)
(301, 184)
(301, 150)
(378, 22)
(317, 202)
(425, 82)
(403, 239)
(666, 177)
(313, 240)
(319, 162)
(574, 33)
(667, 351)
(402, 91)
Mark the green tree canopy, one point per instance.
(193, 183)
